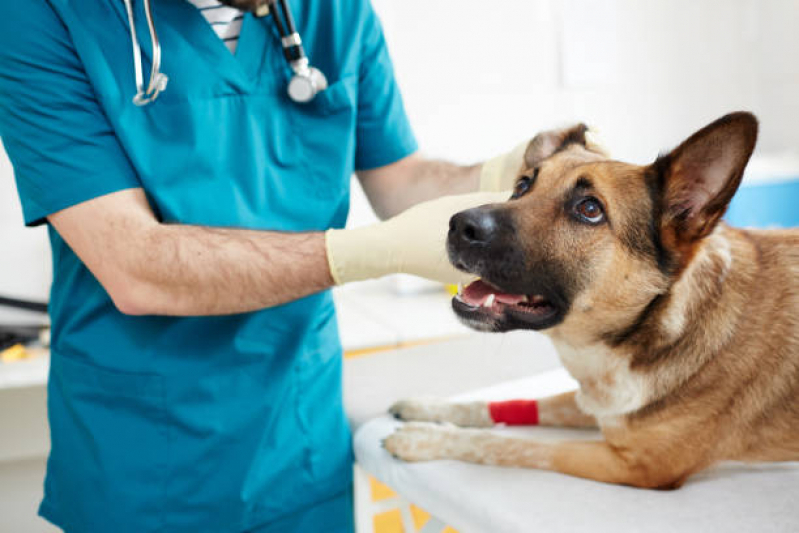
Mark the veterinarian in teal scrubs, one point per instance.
(217, 415)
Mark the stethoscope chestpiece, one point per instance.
(155, 87)
(306, 81)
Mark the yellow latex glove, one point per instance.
(413, 242)
(500, 173)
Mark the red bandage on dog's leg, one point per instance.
(514, 412)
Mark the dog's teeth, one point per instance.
(460, 288)
(525, 299)
(490, 300)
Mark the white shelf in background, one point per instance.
(25, 373)
(371, 314)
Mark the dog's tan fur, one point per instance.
(681, 364)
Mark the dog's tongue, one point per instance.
(477, 292)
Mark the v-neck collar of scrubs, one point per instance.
(241, 70)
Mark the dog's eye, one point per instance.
(523, 185)
(589, 210)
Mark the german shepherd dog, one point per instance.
(682, 332)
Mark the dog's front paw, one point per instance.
(469, 414)
(422, 409)
(418, 441)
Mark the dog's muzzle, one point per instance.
(483, 241)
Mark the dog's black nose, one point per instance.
(474, 226)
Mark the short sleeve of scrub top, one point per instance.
(63, 148)
(384, 134)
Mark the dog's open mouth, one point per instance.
(484, 306)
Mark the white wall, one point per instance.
(25, 269)
(479, 76)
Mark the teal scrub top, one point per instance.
(210, 424)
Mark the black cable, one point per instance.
(289, 19)
(11, 335)
(278, 21)
(292, 52)
(27, 305)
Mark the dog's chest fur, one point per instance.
(608, 387)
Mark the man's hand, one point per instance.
(413, 242)
(500, 173)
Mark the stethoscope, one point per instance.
(306, 81)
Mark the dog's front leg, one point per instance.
(560, 410)
(596, 460)
(421, 441)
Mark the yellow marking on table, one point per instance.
(380, 491)
(419, 516)
(389, 522)
(351, 354)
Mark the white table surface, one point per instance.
(376, 313)
(732, 497)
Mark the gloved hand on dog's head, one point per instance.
(500, 173)
(413, 242)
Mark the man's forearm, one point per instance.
(190, 270)
(396, 187)
(152, 268)
(433, 178)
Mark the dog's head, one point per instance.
(586, 243)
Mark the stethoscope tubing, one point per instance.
(290, 40)
(158, 80)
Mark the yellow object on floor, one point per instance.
(14, 353)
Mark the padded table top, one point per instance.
(374, 382)
(731, 497)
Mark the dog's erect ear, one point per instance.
(546, 143)
(698, 179)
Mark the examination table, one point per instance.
(731, 497)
